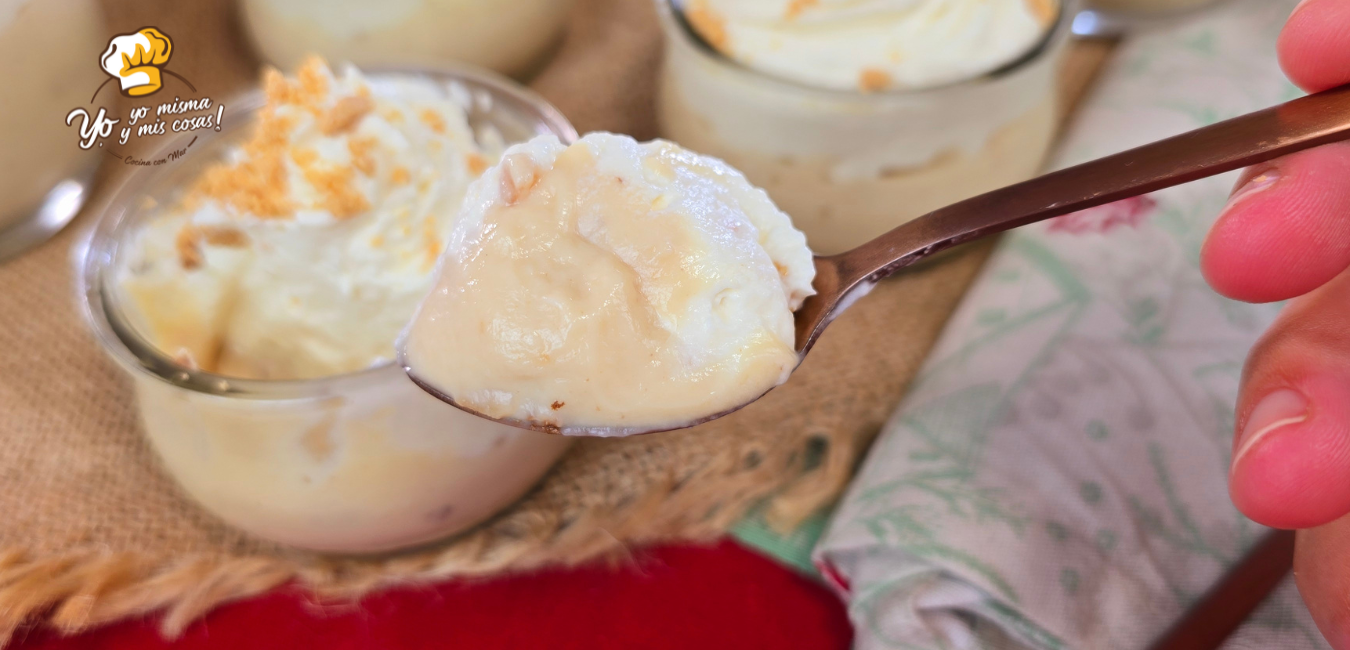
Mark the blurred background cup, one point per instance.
(848, 166)
(354, 463)
(509, 36)
(50, 50)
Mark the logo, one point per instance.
(137, 61)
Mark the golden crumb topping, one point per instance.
(360, 149)
(309, 89)
(224, 236)
(336, 192)
(345, 114)
(708, 23)
(432, 119)
(188, 242)
(1043, 10)
(258, 184)
(431, 244)
(796, 7)
(304, 156)
(311, 76)
(476, 163)
(277, 88)
(400, 176)
(188, 246)
(871, 80)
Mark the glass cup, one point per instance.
(849, 166)
(49, 48)
(355, 463)
(509, 36)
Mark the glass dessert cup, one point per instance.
(849, 166)
(509, 36)
(354, 463)
(44, 175)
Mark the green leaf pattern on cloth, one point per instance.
(1056, 477)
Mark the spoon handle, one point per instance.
(1240, 142)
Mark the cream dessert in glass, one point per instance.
(304, 253)
(49, 48)
(611, 287)
(858, 116)
(508, 36)
(254, 292)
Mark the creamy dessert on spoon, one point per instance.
(614, 288)
(611, 287)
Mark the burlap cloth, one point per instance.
(91, 530)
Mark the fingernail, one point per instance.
(1254, 185)
(1300, 5)
(1275, 411)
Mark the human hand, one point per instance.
(1286, 235)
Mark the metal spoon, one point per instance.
(841, 279)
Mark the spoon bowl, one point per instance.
(842, 279)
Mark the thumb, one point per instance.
(1292, 448)
(1324, 579)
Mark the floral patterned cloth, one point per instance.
(1056, 477)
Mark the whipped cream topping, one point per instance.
(304, 252)
(873, 45)
(611, 284)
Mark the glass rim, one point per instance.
(96, 254)
(676, 26)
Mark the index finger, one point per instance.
(1315, 45)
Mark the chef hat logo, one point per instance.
(135, 60)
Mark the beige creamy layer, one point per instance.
(376, 468)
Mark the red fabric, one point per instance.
(705, 598)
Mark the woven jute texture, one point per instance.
(91, 530)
